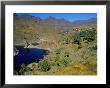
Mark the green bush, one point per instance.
(67, 39)
(61, 61)
(90, 36)
(93, 48)
(23, 69)
(82, 33)
(65, 61)
(76, 38)
(44, 65)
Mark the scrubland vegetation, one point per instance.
(72, 52)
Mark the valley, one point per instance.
(71, 47)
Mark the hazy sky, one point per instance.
(68, 16)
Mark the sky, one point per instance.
(68, 16)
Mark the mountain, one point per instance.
(26, 21)
(58, 23)
(32, 28)
(54, 21)
(27, 17)
(90, 21)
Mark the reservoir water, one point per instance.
(28, 55)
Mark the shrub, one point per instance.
(76, 38)
(67, 39)
(60, 57)
(65, 61)
(34, 66)
(44, 65)
(59, 49)
(23, 69)
(62, 61)
(90, 36)
(93, 48)
(82, 33)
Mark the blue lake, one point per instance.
(28, 55)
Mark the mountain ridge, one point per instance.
(62, 21)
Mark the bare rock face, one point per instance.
(15, 51)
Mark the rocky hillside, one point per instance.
(34, 29)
